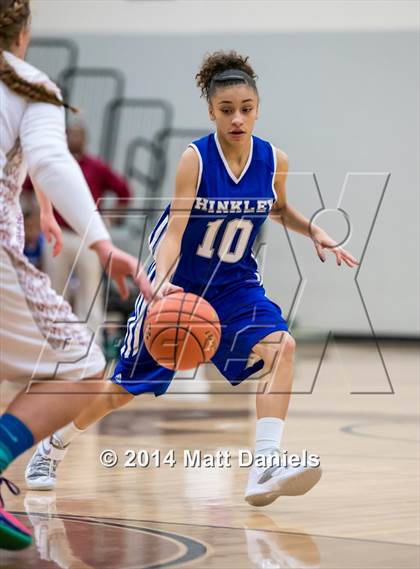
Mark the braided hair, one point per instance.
(14, 16)
(223, 69)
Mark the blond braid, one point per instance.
(14, 16)
(33, 91)
(17, 12)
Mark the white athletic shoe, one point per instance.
(41, 471)
(266, 484)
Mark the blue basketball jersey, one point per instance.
(226, 216)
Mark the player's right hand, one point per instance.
(120, 265)
(163, 289)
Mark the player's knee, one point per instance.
(283, 345)
(282, 342)
(116, 400)
(288, 345)
(278, 345)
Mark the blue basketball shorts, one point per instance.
(246, 317)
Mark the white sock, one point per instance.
(64, 436)
(268, 434)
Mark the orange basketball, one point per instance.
(181, 331)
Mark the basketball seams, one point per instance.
(196, 300)
(177, 330)
(197, 303)
(201, 320)
(203, 355)
(214, 323)
(186, 317)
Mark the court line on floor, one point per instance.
(195, 549)
(98, 519)
(350, 430)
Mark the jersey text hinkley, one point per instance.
(233, 206)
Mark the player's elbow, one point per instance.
(277, 213)
(44, 167)
(282, 161)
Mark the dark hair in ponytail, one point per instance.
(223, 69)
(14, 15)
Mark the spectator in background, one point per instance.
(40, 225)
(34, 238)
(74, 257)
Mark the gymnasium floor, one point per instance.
(362, 514)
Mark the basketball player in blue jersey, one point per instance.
(227, 184)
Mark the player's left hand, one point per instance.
(323, 241)
(52, 231)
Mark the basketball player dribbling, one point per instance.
(227, 184)
(40, 338)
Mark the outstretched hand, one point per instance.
(120, 265)
(52, 232)
(323, 241)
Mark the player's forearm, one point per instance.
(293, 220)
(45, 204)
(63, 183)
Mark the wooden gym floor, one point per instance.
(362, 514)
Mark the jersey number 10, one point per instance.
(206, 249)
